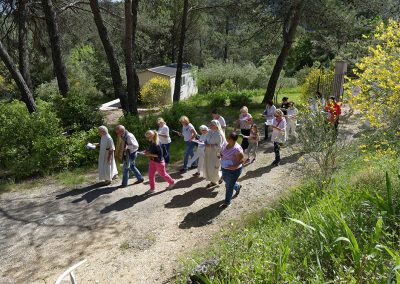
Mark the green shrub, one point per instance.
(239, 99)
(218, 100)
(156, 92)
(226, 76)
(302, 74)
(78, 110)
(33, 144)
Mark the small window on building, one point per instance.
(183, 80)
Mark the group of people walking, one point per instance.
(215, 155)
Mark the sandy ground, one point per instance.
(126, 236)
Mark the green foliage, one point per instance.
(226, 76)
(378, 78)
(33, 144)
(239, 100)
(314, 79)
(318, 236)
(302, 74)
(78, 110)
(156, 92)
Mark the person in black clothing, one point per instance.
(285, 105)
(157, 163)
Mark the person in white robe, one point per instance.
(214, 141)
(106, 166)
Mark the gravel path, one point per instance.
(126, 236)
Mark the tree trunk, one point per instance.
(131, 76)
(26, 94)
(226, 38)
(291, 22)
(23, 53)
(58, 63)
(178, 76)
(119, 91)
(135, 7)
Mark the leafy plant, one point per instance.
(156, 92)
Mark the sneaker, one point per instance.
(237, 191)
(123, 186)
(183, 171)
(171, 186)
(139, 181)
(220, 181)
(193, 167)
(196, 174)
(150, 191)
(211, 184)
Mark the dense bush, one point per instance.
(33, 144)
(378, 79)
(231, 77)
(228, 76)
(78, 110)
(156, 92)
(239, 100)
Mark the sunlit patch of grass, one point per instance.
(74, 177)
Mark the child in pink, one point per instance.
(157, 163)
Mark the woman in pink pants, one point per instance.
(157, 163)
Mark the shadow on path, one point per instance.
(94, 194)
(263, 170)
(188, 198)
(128, 202)
(202, 217)
(80, 190)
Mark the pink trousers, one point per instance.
(160, 168)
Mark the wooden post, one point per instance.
(338, 81)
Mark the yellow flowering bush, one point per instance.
(378, 82)
(156, 92)
(310, 85)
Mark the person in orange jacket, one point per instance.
(334, 111)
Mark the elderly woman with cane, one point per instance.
(214, 140)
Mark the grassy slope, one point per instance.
(318, 235)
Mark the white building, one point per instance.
(188, 82)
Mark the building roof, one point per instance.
(170, 69)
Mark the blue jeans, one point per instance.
(132, 167)
(165, 148)
(230, 178)
(188, 154)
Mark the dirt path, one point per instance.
(126, 236)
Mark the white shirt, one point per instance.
(131, 142)
(278, 135)
(187, 132)
(291, 113)
(269, 112)
(164, 131)
(222, 122)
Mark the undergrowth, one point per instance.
(345, 232)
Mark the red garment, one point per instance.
(334, 111)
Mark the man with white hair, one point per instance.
(131, 147)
